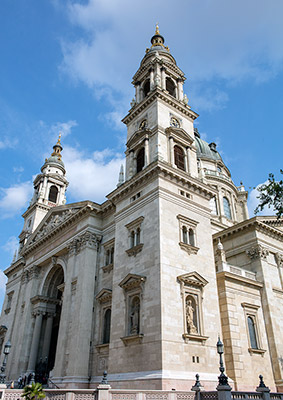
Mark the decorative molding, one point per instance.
(257, 252)
(133, 251)
(256, 351)
(197, 338)
(107, 268)
(189, 248)
(132, 281)
(135, 223)
(193, 279)
(132, 339)
(104, 296)
(86, 239)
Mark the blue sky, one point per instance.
(67, 66)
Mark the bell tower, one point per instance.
(160, 121)
(49, 191)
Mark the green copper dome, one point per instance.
(205, 150)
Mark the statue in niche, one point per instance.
(190, 317)
(135, 316)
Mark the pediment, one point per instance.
(138, 137)
(132, 281)
(56, 219)
(104, 295)
(180, 135)
(192, 279)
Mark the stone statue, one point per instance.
(135, 316)
(190, 311)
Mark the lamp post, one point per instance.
(7, 349)
(222, 379)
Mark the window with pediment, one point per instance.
(251, 311)
(192, 287)
(187, 234)
(135, 235)
(132, 286)
(104, 298)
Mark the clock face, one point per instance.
(143, 124)
(174, 122)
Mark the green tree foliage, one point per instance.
(271, 195)
(33, 391)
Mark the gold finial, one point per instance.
(157, 29)
(59, 139)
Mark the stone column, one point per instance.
(35, 341)
(151, 78)
(44, 188)
(180, 89)
(158, 69)
(146, 152)
(47, 336)
(188, 160)
(163, 78)
(78, 365)
(171, 148)
(131, 167)
(221, 203)
(138, 92)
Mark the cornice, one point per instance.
(239, 279)
(257, 223)
(20, 263)
(159, 168)
(167, 98)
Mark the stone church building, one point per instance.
(142, 284)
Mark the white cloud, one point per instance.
(53, 131)
(93, 176)
(253, 202)
(108, 47)
(3, 281)
(7, 143)
(15, 198)
(11, 245)
(18, 169)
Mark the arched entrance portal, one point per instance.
(52, 297)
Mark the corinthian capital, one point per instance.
(257, 252)
(279, 259)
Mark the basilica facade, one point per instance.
(142, 284)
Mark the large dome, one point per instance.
(205, 150)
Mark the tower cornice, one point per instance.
(161, 95)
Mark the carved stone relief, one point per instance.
(257, 252)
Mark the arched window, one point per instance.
(135, 316)
(140, 160)
(170, 87)
(106, 326)
(227, 208)
(191, 237)
(146, 88)
(185, 235)
(252, 333)
(179, 158)
(53, 192)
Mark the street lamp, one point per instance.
(6, 352)
(222, 379)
